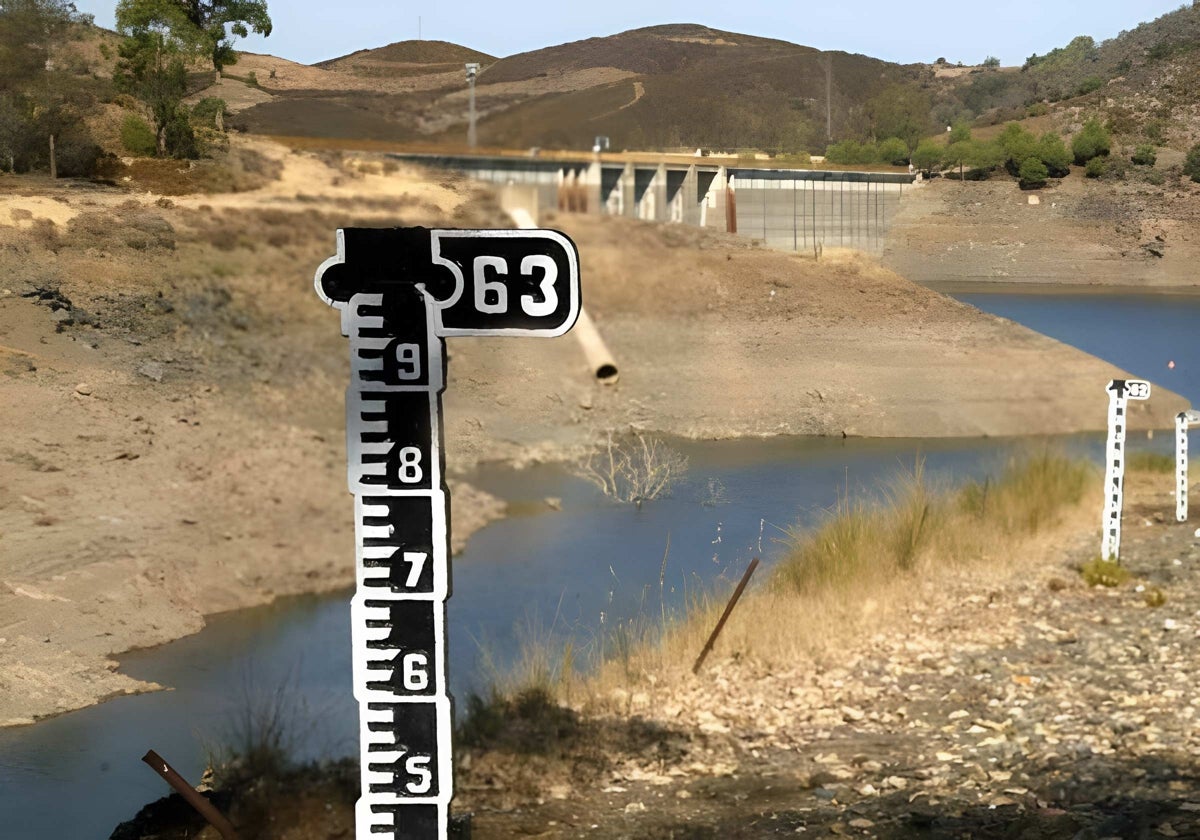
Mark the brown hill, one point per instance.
(406, 58)
(681, 85)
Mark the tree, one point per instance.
(991, 62)
(960, 131)
(1052, 151)
(221, 21)
(956, 154)
(894, 151)
(159, 39)
(1018, 144)
(985, 156)
(927, 155)
(1033, 174)
(902, 111)
(1091, 141)
(39, 100)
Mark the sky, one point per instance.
(308, 30)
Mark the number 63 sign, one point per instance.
(401, 292)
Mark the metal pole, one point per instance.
(795, 242)
(471, 123)
(737, 593)
(190, 795)
(764, 203)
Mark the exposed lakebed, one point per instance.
(576, 573)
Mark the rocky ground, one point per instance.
(1082, 232)
(171, 388)
(999, 703)
(1007, 701)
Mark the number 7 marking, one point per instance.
(416, 561)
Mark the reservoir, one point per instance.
(577, 573)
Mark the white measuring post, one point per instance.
(1120, 391)
(1182, 421)
(401, 292)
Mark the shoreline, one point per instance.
(1011, 287)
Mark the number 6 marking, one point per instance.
(483, 286)
(540, 309)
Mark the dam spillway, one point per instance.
(790, 209)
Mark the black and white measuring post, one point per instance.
(1120, 391)
(1183, 420)
(401, 292)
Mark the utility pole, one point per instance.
(472, 69)
(419, 28)
(829, 96)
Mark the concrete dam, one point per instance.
(789, 209)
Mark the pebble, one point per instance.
(83, 389)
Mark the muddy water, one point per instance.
(585, 573)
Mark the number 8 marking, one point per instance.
(410, 465)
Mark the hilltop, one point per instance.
(405, 58)
(682, 85)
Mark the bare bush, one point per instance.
(634, 470)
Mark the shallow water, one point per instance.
(78, 775)
(1140, 333)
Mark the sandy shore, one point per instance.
(172, 391)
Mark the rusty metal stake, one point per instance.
(191, 795)
(737, 593)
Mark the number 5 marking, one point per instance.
(540, 309)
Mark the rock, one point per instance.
(83, 389)
(152, 370)
(635, 808)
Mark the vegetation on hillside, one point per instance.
(44, 89)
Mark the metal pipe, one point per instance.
(191, 795)
(600, 360)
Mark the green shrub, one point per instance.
(927, 155)
(1018, 144)
(1191, 166)
(894, 151)
(1052, 151)
(849, 152)
(138, 137)
(1096, 167)
(179, 137)
(1091, 141)
(1092, 83)
(1154, 131)
(206, 110)
(1144, 155)
(991, 62)
(1038, 109)
(1110, 573)
(1033, 173)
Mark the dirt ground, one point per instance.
(1001, 701)
(171, 389)
(1082, 232)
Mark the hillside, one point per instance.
(407, 58)
(665, 86)
(1143, 83)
